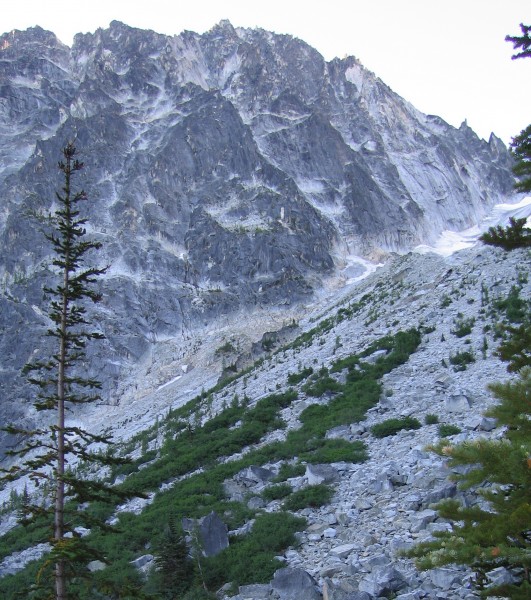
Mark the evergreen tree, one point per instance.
(522, 42)
(521, 148)
(496, 532)
(175, 572)
(50, 452)
(515, 235)
(521, 144)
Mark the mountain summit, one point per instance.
(231, 170)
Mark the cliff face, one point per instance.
(225, 171)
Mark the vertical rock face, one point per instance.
(224, 170)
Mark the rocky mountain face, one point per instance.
(231, 171)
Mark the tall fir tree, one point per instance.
(521, 144)
(51, 452)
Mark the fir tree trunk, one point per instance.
(60, 578)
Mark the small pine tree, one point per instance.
(50, 450)
(175, 572)
(521, 150)
(515, 235)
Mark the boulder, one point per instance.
(255, 502)
(457, 403)
(420, 520)
(343, 551)
(317, 474)
(373, 358)
(333, 591)
(143, 563)
(211, 531)
(294, 584)
(96, 565)
(257, 591)
(445, 578)
(341, 432)
(382, 581)
(214, 534)
(500, 576)
(257, 474)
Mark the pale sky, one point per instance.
(447, 58)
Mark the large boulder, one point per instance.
(211, 531)
(383, 581)
(317, 474)
(214, 534)
(294, 584)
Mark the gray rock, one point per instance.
(382, 581)
(214, 534)
(143, 563)
(375, 562)
(317, 474)
(488, 424)
(294, 584)
(500, 576)
(421, 519)
(375, 356)
(341, 432)
(330, 533)
(448, 490)
(445, 578)
(255, 502)
(257, 591)
(332, 591)
(343, 551)
(457, 403)
(257, 474)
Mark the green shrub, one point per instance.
(251, 558)
(276, 492)
(312, 496)
(431, 419)
(461, 359)
(320, 385)
(227, 348)
(288, 470)
(514, 307)
(445, 301)
(392, 426)
(294, 378)
(447, 430)
(463, 327)
(329, 451)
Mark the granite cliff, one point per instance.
(234, 171)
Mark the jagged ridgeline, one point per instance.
(230, 170)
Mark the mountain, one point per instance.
(228, 172)
(245, 191)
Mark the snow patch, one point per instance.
(453, 241)
(168, 383)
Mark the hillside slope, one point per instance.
(423, 328)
